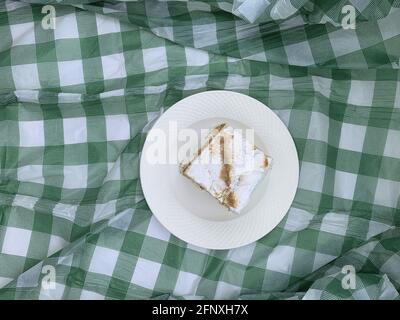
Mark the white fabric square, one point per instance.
(242, 254)
(104, 210)
(205, 35)
(27, 95)
(321, 259)
(75, 130)
(146, 273)
(352, 137)
(279, 83)
(66, 27)
(335, 223)
(198, 249)
(232, 60)
(391, 267)
(12, 5)
(113, 66)
(361, 92)
(237, 81)
(312, 176)
(118, 127)
(392, 146)
(154, 59)
(26, 76)
(65, 260)
(298, 219)
(52, 294)
(344, 42)
(360, 4)
(117, 7)
(114, 171)
(156, 230)
(375, 228)
(16, 241)
(299, 54)
(164, 32)
(260, 56)
(155, 89)
(31, 173)
(112, 93)
(313, 294)
(397, 96)
(345, 184)
(30, 278)
(23, 33)
(124, 220)
(282, 10)
(281, 259)
(186, 284)
(64, 97)
(91, 295)
(386, 25)
(196, 57)
(4, 281)
(75, 176)
(103, 261)
(387, 193)
(66, 211)
(361, 294)
(31, 133)
(226, 291)
(322, 85)
(25, 201)
(70, 72)
(56, 244)
(284, 115)
(106, 24)
(198, 6)
(196, 81)
(319, 127)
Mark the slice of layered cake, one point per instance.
(227, 166)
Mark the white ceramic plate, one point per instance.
(192, 214)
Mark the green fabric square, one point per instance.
(97, 152)
(132, 243)
(307, 239)
(213, 268)
(90, 47)
(23, 55)
(173, 256)
(37, 251)
(117, 288)
(109, 43)
(370, 165)
(43, 223)
(253, 278)
(5, 59)
(46, 52)
(68, 49)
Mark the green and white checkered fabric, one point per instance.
(76, 103)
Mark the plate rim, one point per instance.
(142, 166)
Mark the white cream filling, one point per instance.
(247, 166)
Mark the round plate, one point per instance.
(192, 214)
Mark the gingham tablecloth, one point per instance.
(76, 103)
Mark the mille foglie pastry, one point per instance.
(227, 166)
